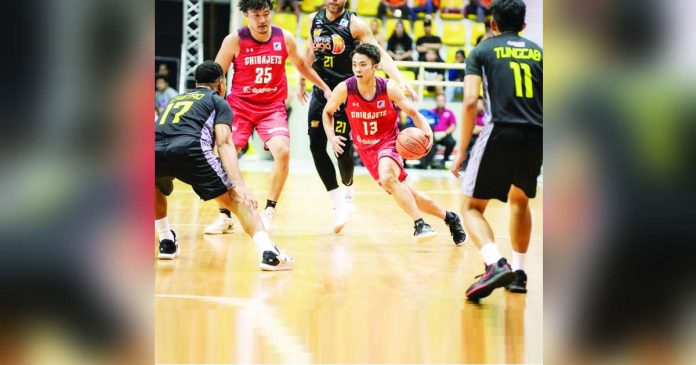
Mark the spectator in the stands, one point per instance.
(376, 29)
(400, 44)
(434, 74)
(399, 9)
(477, 12)
(429, 7)
(456, 75)
(428, 40)
(283, 4)
(163, 93)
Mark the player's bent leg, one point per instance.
(322, 161)
(389, 171)
(497, 271)
(168, 247)
(272, 258)
(476, 225)
(346, 163)
(280, 149)
(520, 233)
(427, 204)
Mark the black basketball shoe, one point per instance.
(168, 249)
(497, 275)
(519, 285)
(276, 260)
(455, 226)
(423, 232)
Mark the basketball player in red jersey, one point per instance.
(257, 54)
(369, 104)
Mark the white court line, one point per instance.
(287, 345)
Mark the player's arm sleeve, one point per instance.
(473, 63)
(223, 112)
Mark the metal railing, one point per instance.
(420, 83)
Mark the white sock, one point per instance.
(163, 230)
(490, 253)
(518, 260)
(263, 242)
(349, 193)
(337, 196)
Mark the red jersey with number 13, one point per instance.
(372, 122)
(259, 69)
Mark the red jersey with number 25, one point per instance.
(372, 122)
(259, 69)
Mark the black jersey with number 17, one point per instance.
(193, 114)
(512, 69)
(333, 44)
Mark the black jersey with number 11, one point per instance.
(511, 68)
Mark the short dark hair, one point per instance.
(208, 72)
(509, 14)
(369, 50)
(160, 76)
(246, 5)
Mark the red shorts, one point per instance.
(269, 120)
(371, 154)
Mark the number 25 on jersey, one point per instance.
(263, 75)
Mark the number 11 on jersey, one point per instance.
(518, 69)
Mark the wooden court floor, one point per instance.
(368, 295)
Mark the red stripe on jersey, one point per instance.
(259, 69)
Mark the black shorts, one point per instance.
(504, 155)
(186, 159)
(314, 117)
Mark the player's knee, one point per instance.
(316, 145)
(518, 199)
(388, 180)
(282, 153)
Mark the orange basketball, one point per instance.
(412, 144)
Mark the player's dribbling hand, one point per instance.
(338, 144)
(302, 95)
(457, 164)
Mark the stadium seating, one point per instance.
(452, 9)
(287, 21)
(304, 27)
(367, 7)
(477, 31)
(418, 29)
(453, 33)
(310, 6)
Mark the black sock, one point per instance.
(271, 203)
(226, 212)
(449, 217)
(419, 221)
